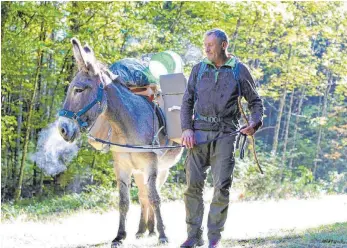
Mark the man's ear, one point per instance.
(225, 45)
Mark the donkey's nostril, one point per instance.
(62, 130)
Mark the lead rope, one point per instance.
(251, 136)
(236, 76)
(150, 147)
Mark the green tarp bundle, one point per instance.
(133, 72)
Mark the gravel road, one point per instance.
(246, 220)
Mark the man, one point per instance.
(210, 110)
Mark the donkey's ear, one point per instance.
(79, 54)
(91, 61)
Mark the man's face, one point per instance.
(214, 48)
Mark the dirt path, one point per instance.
(246, 220)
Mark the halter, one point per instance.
(77, 115)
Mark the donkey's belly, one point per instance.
(170, 158)
(141, 161)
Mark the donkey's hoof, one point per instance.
(116, 243)
(163, 240)
(139, 235)
(152, 234)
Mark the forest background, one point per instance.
(297, 52)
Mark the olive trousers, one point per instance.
(219, 155)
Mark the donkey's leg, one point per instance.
(143, 197)
(123, 174)
(163, 174)
(151, 222)
(151, 172)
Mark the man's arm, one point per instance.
(255, 104)
(187, 110)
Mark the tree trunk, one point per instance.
(278, 122)
(268, 136)
(19, 131)
(287, 132)
(18, 190)
(5, 6)
(35, 175)
(6, 177)
(284, 122)
(53, 92)
(235, 35)
(92, 168)
(298, 112)
(320, 132)
(280, 111)
(41, 183)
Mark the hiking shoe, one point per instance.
(193, 242)
(214, 244)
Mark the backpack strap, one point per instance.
(201, 71)
(235, 69)
(236, 72)
(198, 78)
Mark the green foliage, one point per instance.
(298, 183)
(172, 191)
(8, 128)
(300, 46)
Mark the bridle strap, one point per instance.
(77, 116)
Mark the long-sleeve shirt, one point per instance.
(215, 95)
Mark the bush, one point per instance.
(276, 182)
(172, 192)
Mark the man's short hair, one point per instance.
(219, 33)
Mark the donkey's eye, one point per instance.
(78, 90)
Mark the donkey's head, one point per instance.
(86, 97)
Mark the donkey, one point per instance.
(98, 102)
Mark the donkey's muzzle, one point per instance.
(66, 131)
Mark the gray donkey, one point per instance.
(98, 101)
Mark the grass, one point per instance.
(326, 236)
(95, 198)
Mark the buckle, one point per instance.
(213, 119)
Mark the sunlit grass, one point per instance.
(334, 235)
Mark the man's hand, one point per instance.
(188, 138)
(248, 130)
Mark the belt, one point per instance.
(212, 119)
(215, 119)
